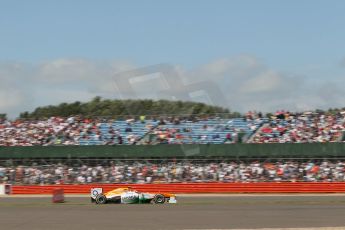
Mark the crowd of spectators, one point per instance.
(282, 127)
(202, 130)
(63, 131)
(170, 171)
(52, 131)
(76, 130)
(307, 127)
(190, 134)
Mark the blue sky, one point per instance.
(301, 39)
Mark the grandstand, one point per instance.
(167, 171)
(302, 128)
(205, 147)
(112, 132)
(208, 131)
(283, 128)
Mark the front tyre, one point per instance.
(159, 199)
(101, 199)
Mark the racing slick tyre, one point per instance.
(101, 199)
(159, 199)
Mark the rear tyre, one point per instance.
(159, 199)
(101, 199)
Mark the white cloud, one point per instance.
(14, 95)
(12, 99)
(24, 86)
(244, 81)
(264, 82)
(249, 84)
(65, 70)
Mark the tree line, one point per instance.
(99, 107)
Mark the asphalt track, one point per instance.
(205, 212)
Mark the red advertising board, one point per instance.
(264, 187)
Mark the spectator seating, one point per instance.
(130, 132)
(210, 131)
(283, 127)
(302, 128)
(171, 171)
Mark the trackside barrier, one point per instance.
(262, 187)
(5, 189)
(58, 195)
(274, 150)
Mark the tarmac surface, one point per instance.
(191, 212)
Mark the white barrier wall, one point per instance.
(5, 189)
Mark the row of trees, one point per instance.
(114, 108)
(3, 116)
(99, 107)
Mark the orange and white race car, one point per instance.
(127, 195)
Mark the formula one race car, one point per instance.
(129, 196)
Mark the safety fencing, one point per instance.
(262, 187)
(275, 150)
